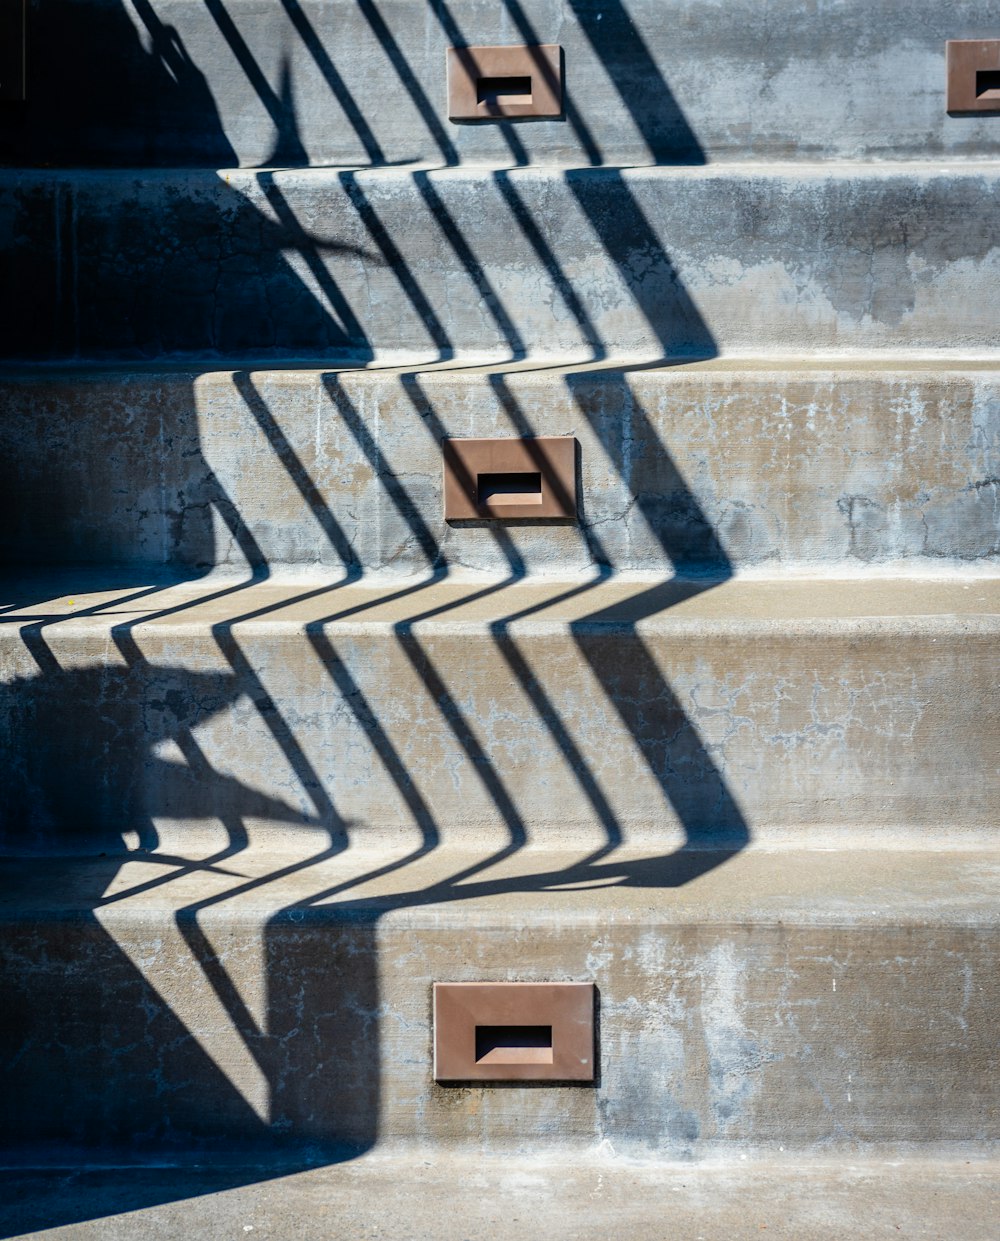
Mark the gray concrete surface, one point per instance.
(698, 711)
(578, 263)
(334, 81)
(709, 467)
(442, 1199)
(759, 813)
(262, 999)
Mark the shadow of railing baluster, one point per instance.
(338, 87)
(621, 660)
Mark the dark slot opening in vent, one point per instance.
(497, 489)
(503, 90)
(513, 1044)
(988, 84)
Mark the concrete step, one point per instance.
(340, 82)
(501, 710)
(279, 1001)
(588, 263)
(708, 467)
(444, 1198)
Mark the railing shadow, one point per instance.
(66, 720)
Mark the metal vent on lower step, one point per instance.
(514, 1032)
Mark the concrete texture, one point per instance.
(266, 1000)
(709, 467)
(580, 263)
(698, 711)
(339, 82)
(270, 806)
(462, 1199)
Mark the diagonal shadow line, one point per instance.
(632, 243)
(338, 86)
(398, 495)
(308, 249)
(709, 558)
(389, 756)
(397, 265)
(543, 251)
(454, 35)
(279, 110)
(573, 115)
(281, 447)
(615, 38)
(276, 724)
(409, 80)
(443, 218)
(572, 756)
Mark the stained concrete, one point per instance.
(584, 263)
(265, 999)
(483, 1200)
(339, 82)
(708, 467)
(703, 711)
(376, 752)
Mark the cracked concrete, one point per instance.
(706, 468)
(688, 262)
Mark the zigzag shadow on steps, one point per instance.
(62, 717)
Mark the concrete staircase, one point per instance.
(283, 748)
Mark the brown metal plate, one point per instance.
(489, 480)
(973, 75)
(492, 83)
(514, 1031)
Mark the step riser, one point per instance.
(592, 263)
(876, 729)
(715, 470)
(786, 1035)
(670, 81)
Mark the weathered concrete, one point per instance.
(462, 1199)
(792, 999)
(558, 711)
(404, 752)
(335, 81)
(475, 1199)
(708, 467)
(578, 263)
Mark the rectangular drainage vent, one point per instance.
(514, 1031)
(973, 76)
(505, 83)
(510, 479)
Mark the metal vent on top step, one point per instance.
(503, 83)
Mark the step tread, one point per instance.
(951, 167)
(464, 888)
(476, 1197)
(746, 365)
(68, 603)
